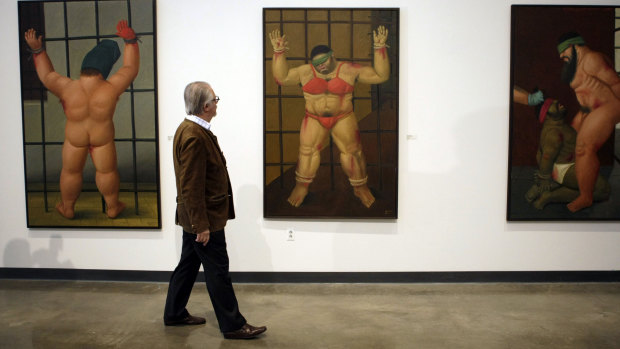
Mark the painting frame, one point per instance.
(537, 32)
(349, 33)
(67, 37)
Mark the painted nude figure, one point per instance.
(328, 85)
(597, 88)
(89, 103)
(555, 180)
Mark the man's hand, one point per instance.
(203, 237)
(278, 42)
(547, 185)
(125, 31)
(32, 40)
(544, 182)
(535, 98)
(380, 36)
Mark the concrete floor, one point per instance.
(68, 314)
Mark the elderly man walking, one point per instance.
(204, 204)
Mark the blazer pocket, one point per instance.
(217, 198)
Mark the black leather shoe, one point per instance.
(246, 332)
(189, 320)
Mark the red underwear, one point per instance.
(328, 121)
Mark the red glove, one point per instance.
(124, 31)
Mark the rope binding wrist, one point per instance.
(35, 51)
(132, 41)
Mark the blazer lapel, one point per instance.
(217, 145)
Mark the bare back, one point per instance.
(562, 138)
(89, 105)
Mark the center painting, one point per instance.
(330, 112)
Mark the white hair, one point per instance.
(197, 95)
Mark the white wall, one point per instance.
(452, 177)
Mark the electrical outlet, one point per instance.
(290, 234)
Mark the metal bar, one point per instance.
(305, 60)
(296, 96)
(68, 66)
(133, 130)
(97, 190)
(97, 20)
(103, 206)
(156, 110)
(331, 139)
(43, 149)
(280, 139)
(127, 90)
(321, 22)
(103, 36)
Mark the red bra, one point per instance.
(336, 85)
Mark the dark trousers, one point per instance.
(214, 259)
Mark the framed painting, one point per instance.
(330, 112)
(564, 160)
(89, 111)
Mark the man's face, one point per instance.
(212, 106)
(557, 110)
(566, 55)
(569, 68)
(326, 66)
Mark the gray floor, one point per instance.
(65, 314)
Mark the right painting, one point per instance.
(564, 157)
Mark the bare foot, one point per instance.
(298, 194)
(363, 193)
(65, 212)
(533, 193)
(542, 200)
(114, 211)
(579, 203)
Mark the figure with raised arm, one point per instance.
(89, 103)
(327, 86)
(522, 96)
(597, 88)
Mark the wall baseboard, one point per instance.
(320, 277)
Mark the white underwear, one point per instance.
(559, 171)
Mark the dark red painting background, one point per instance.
(535, 63)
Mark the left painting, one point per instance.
(89, 113)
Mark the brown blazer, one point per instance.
(204, 193)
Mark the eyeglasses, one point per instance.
(216, 99)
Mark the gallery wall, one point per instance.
(453, 154)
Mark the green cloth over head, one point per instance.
(102, 57)
(577, 40)
(323, 59)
